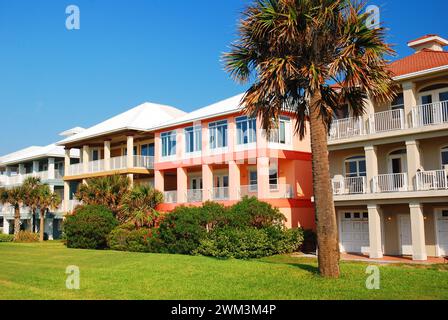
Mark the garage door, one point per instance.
(442, 224)
(355, 232)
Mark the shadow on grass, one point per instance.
(314, 270)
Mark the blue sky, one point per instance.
(128, 52)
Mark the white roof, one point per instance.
(71, 132)
(140, 118)
(224, 107)
(34, 153)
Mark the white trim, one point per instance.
(437, 39)
(437, 212)
(420, 73)
(400, 244)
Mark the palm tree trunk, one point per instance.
(42, 225)
(327, 234)
(16, 221)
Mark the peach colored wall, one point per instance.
(430, 152)
(337, 159)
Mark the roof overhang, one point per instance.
(420, 73)
(432, 38)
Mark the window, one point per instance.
(218, 134)
(168, 144)
(125, 151)
(398, 102)
(246, 130)
(348, 215)
(193, 139)
(355, 167)
(357, 215)
(196, 184)
(444, 154)
(95, 155)
(273, 177)
(148, 150)
(1, 222)
(282, 135)
(253, 180)
(445, 213)
(365, 215)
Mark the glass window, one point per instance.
(445, 213)
(282, 135)
(273, 177)
(168, 144)
(193, 139)
(218, 134)
(355, 167)
(357, 215)
(398, 102)
(348, 215)
(95, 155)
(444, 157)
(125, 151)
(365, 215)
(148, 150)
(427, 99)
(246, 129)
(253, 180)
(443, 96)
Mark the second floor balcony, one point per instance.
(111, 165)
(17, 179)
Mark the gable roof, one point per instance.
(424, 60)
(224, 107)
(34, 153)
(140, 118)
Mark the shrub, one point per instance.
(250, 242)
(6, 237)
(309, 242)
(89, 227)
(27, 237)
(182, 230)
(250, 212)
(127, 238)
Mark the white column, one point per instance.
(85, 158)
(8, 171)
(67, 162)
(66, 199)
(414, 162)
(410, 100)
(35, 167)
(22, 169)
(375, 235)
(372, 166)
(107, 155)
(5, 226)
(418, 232)
(130, 152)
(51, 169)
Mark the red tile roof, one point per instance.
(420, 61)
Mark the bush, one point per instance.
(27, 237)
(6, 237)
(127, 238)
(89, 227)
(250, 212)
(250, 242)
(182, 230)
(309, 242)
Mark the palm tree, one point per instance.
(47, 200)
(138, 206)
(14, 197)
(107, 191)
(296, 50)
(30, 188)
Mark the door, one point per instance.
(405, 234)
(442, 232)
(354, 231)
(427, 110)
(221, 187)
(398, 165)
(443, 98)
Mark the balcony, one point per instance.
(347, 128)
(395, 182)
(346, 186)
(430, 114)
(432, 180)
(220, 194)
(194, 196)
(170, 197)
(113, 164)
(18, 179)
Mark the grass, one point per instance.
(37, 271)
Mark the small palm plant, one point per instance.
(47, 200)
(14, 197)
(30, 189)
(139, 205)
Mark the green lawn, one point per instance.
(37, 271)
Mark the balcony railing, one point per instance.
(280, 191)
(194, 196)
(220, 193)
(432, 180)
(347, 128)
(18, 179)
(395, 182)
(248, 191)
(170, 196)
(113, 164)
(430, 114)
(353, 185)
(386, 121)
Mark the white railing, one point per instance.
(432, 180)
(8, 211)
(170, 196)
(353, 185)
(116, 163)
(347, 128)
(280, 191)
(20, 178)
(71, 205)
(395, 182)
(220, 193)
(386, 121)
(430, 114)
(194, 195)
(248, 191)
